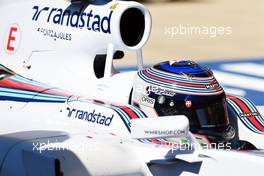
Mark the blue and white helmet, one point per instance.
(184, 88)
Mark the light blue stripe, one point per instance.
(234, 105)
(253, 109)
(249, 104)
(251, 126)
(28, 92)
(17, 94)
(147, 141)
(13, 95)
(245, 120)
(173, 78)
(24, 92)
(171, 86)
(177, 87)
(163, 140)
(30, 82)
(126, 117)
(138, 112)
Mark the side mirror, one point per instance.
(160, 127)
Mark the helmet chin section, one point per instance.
(217, 135)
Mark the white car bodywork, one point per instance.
(54, 142)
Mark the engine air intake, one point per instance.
(132, 26)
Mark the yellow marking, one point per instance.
(113, 7)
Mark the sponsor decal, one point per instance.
(76, 19)
(55, 34)
(147, 101)
(93, 116)
(166, 132)
(188, 104)
(159, 91)
(214, 85)
(12, 40)
(249, 114)
(114, 6)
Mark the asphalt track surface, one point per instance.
(236, 57)
(244, 17)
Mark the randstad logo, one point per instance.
(93, 116)
(77, 19)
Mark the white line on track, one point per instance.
(246, 68)
(235, 80)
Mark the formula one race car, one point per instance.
(66, 110)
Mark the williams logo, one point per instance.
(214, 85)
(78, 19)
(250, 114)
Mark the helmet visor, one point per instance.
(207, 116)
(203, 115)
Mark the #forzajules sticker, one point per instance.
(55, 34)
(159, 91)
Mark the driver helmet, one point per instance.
(184, 88)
